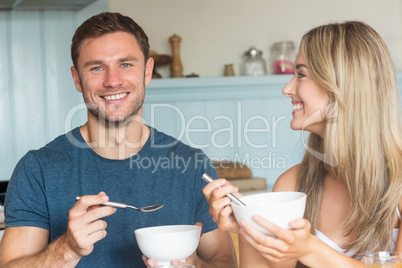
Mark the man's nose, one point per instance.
(113, 78)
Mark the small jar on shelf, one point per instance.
(254, 64)
(282, 57)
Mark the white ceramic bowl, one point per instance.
(170, 242)
(279, 208)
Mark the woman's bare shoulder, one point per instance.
(287, 181)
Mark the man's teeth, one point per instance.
(115, 97)
(298, 106)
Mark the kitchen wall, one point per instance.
(218, 32)
(36, 89)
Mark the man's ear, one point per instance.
(149, 67)
(76, 78)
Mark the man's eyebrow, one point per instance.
(298, 66)
(128, 59)
(92, 62)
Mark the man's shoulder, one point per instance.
(56, 149)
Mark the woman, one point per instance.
(344, 93)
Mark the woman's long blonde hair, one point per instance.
(362, 144)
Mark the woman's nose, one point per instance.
(288, 90)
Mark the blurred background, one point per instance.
(38, 100)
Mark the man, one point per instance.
(112, 155)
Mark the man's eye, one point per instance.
(97, 68)
(125, 65)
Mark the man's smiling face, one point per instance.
(112, 76)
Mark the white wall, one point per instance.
(217, 32)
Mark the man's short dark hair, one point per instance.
(105, 23)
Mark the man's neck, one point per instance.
(117, 142)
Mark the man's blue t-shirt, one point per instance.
(45, 183)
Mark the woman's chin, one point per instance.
(295, 126)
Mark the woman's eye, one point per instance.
(301, 75)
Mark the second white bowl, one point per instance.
(279, 208)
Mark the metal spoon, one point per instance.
(123, 205)
(233, 198)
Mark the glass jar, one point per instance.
(253, 63)
(282, 57)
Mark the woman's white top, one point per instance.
(350, 253)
